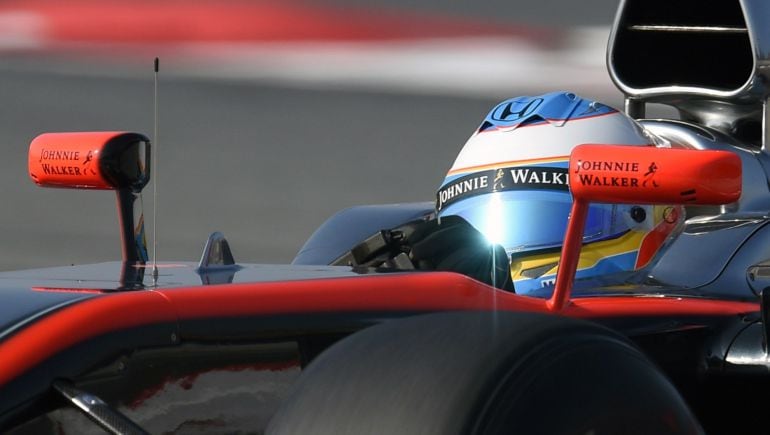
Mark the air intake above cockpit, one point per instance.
(709, 60)
(683, 46)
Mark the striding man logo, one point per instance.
(498, 184)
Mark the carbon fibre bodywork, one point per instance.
(143, 348)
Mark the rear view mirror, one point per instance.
(639, 175)
(116, 161)
(90, 160)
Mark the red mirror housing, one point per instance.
(650, 175)
(110, 160)
(90, 160)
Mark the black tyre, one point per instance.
(484, 373)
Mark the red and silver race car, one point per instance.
(360, 334)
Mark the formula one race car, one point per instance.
(417, 318)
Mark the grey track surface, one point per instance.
(540, 13)
(264, 164)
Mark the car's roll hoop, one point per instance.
(711, 66)
(112, 160)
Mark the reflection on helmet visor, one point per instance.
(527, 220)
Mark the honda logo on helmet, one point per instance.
(514, 110)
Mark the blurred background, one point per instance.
(273, 114)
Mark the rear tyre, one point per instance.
(484, 373)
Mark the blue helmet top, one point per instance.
(555, 108)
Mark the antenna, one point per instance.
(154, 151)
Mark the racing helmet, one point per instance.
(510, 181)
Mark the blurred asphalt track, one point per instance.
(273, 115)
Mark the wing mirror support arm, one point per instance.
(573, 241)
(616, 174)
(131, 221)
(107, 160)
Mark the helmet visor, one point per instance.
(524, 220)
